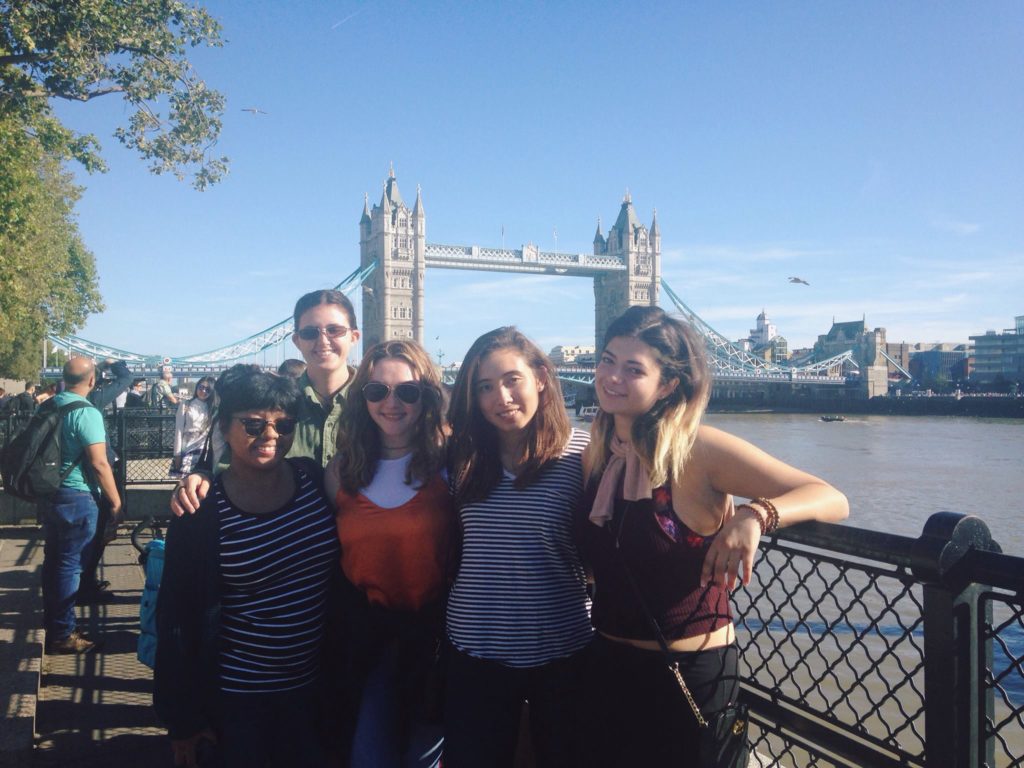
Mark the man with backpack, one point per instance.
(69, 516)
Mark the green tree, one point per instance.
(83, 49)
(48, 277)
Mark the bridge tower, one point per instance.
(395, 238)
(638, 248)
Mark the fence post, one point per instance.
(953, 657)
(122, 465)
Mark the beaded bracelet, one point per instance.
(772, 524)
(760, 515)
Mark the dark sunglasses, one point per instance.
(256, 427)
(312, 333)
(408, 392)
(203, 388)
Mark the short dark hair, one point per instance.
(325, 296)
(250, 388)
(292, 367)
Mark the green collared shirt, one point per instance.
(316, 434)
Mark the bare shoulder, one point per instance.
(712, 443)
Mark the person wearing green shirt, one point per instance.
(325, 330)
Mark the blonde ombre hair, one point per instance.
(663, 436)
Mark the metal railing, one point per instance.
(862, 648)
(858, 648)
(142, 438)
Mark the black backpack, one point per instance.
(30, 465)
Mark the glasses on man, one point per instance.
(255, 427)
(408, 392)
(312, 332)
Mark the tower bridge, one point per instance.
(394, 255)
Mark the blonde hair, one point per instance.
(664, 436)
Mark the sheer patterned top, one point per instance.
(664, 557)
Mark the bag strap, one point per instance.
(673, 665)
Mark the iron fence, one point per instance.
(862, 648)
(859, 648)
(142, 438)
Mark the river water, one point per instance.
(898, 470)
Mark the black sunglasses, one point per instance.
(202, 388)
(256, 427)
(408, 392)
(312, 333)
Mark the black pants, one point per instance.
(483, 706)
(271, 729)
(637, 713)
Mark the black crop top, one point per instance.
(665, 558)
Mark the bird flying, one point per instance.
(798, 280)
(254, 110)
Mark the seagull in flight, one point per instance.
(798, 280)
(254, 110)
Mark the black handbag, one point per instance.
(723, 739)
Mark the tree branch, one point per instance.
(23, 58)
(89, 94)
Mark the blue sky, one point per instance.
(874, 149)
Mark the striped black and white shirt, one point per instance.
(520, 597)
(274, 575)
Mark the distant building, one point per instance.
(765, 342)
(572, 355)
(867, 347)
(1000, 355)
(943, 362)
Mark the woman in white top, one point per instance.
(191, 424)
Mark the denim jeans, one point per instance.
(377, 741)
(69, 524)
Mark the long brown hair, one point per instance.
(359, 446)
(664, 435)
(474, 452)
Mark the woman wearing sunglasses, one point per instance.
(325, 331)
(241, 612)
(665, 544)
(518, 615)
(191, 425)
(394, 521)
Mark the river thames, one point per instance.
(898, 470)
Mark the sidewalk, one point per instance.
(95, 709)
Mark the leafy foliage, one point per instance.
(83, 49)
(48, 277)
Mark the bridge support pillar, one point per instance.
(395, 238)
(640, 249)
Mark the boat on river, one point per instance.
(588, 413)
(833, 417)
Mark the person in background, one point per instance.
(518, 618)
(136, 397)
(25, 402)
(325, 331)
(69, 518)
(4, 400)
(243, 601)
(113, 380)
(395, 522)
(162, 395)
(665, 544)
(191, 426)
(292, 367)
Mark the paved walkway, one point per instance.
(94, 709)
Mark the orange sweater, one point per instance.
(398, 556)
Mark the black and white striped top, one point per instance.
(520, 596)
(274, 574)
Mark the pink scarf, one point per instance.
(625, 467)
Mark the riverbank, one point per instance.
(939, 405)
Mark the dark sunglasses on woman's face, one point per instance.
(202, 389)
(408, 392)
(256, 427)
(312, 333)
